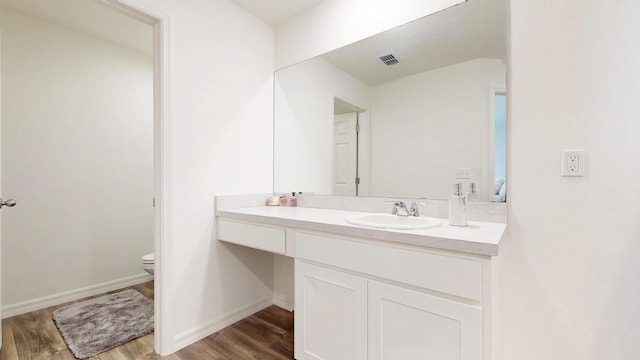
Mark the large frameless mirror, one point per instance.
(405, 113)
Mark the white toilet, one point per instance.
(147, 263)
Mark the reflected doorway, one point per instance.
(346, 129)
(500, 145)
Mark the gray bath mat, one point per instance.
(93, 326)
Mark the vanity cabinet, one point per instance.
(343, 316)
(358, 297)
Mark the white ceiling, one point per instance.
(89, 16)
(92, 17)
(275, 12)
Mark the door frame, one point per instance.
(143, 11)
(0, 193)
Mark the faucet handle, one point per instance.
(414, 210)
(399, 207)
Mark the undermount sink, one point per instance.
(394, 222)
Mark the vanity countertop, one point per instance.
(481, 238)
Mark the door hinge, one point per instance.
(358, 128)
(357, 181)
(154, 202)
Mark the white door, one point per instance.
(331, 314)
(406, 325)
(345, 153)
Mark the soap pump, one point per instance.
(458, 207)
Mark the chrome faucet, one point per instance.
(401, 209)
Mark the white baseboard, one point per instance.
(199, 332)
(283, 301)
(71, 295)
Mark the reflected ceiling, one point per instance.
(420, 46)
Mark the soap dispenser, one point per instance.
(457, 207)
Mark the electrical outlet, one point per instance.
(573, 163)
(463, 173)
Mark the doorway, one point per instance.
(499, 136)
(159, 138)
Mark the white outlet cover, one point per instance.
(463, 173)
(573, 163)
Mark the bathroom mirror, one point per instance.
(406, 113)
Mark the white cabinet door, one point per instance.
(331, 314)
(406, 325)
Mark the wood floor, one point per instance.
(266, 335)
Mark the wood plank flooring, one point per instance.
(267, 335)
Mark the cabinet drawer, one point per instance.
(451, 275)
(254, 236)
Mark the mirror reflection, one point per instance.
(406, 113)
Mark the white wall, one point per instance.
(221, 143)
(425, 126)
(304, 101)
(77, 155)
(570, 269)
(332, 24)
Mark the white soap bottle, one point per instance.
(457, 207)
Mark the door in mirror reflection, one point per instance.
(345, 154)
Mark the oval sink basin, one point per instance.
(395, 222)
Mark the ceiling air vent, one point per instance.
(388, 59)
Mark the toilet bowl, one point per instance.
(148, 262)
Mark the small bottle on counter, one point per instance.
(284, 201)
(293, 201)
(473, 194)
(458, 207)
